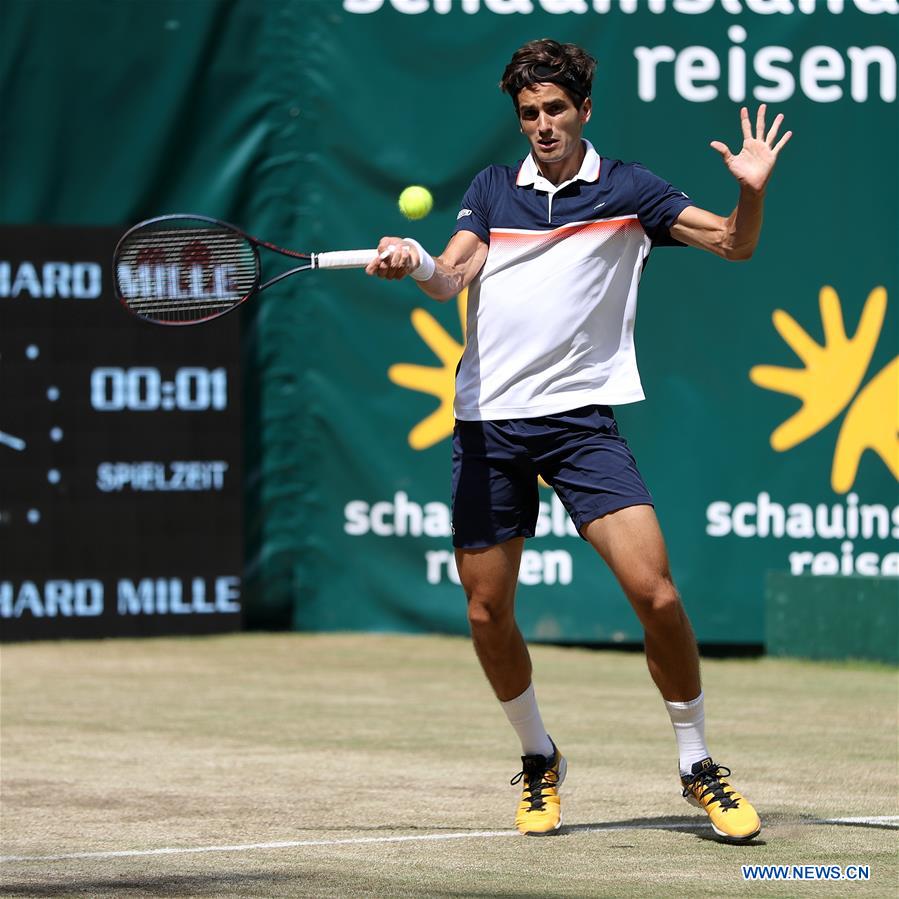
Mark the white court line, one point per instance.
(882, 820)
(681, 825)
(888, 820)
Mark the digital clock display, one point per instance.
(120, 452)
(145, 390)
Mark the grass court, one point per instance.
(362, 765)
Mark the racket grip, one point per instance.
(344, 259)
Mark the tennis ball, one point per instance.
(415, 202)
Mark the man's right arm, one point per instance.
(454, 269)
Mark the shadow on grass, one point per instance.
(676, 824)
(263, 884)
(248, 885)
(162, 885)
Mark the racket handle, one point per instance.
(344, 259)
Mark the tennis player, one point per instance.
(552, 251)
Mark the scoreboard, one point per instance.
(120, 452)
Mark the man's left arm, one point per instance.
(736, 236)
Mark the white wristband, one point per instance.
(427, 266)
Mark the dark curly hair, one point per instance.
(545, 60)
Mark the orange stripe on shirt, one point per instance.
(565, 231)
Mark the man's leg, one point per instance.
(632, 545)
(489, 577)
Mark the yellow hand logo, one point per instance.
(832, 373)
(828, 382)
(439, 382)
(871, 423)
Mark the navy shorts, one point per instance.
(580, 454)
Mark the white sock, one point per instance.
(688, 719)
(524, 716)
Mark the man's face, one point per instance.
(551, 122)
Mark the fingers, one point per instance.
(744, 123)
(760, 122)
(782, 142)
(395, 262)
(772, 134)
(722, 149)
(386, 248)
(760, 135)
(395, 259)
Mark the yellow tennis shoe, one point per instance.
(540, 811)
(732, 817)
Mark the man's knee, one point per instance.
(657, 603)
(489, 612)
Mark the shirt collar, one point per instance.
(528, 173)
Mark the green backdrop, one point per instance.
(301, 120)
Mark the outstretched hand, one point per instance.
(753, 165)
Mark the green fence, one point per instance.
(303, 120)
(847, 617)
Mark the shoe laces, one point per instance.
(538, 776)
(710, 783)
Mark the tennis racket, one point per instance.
(187, 269)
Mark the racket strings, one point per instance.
(182, 274)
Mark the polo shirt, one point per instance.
(550, 321)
